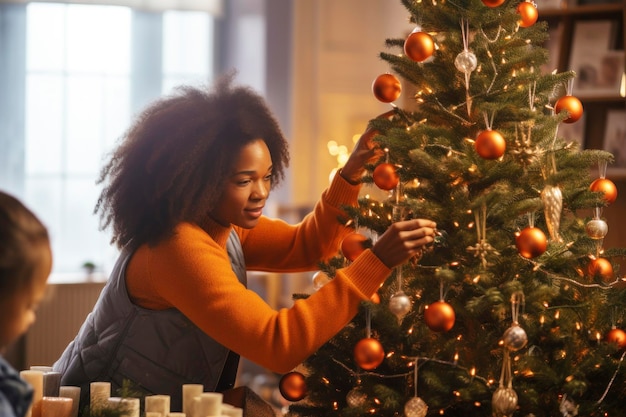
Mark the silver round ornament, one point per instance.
(503, 402)
(415, 407)
(596, 228)
(466, 62)
(400, 304)
(356, 397)
(320, 279)
(515, 338)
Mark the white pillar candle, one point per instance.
(158, 403)
(56, 407)
(99, 393)
(74, 394)
(51, 383)
(129, 407)
(190, 391)
(231, 411)
(35, 379)
(210, 404)
(41, 368)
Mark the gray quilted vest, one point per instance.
(156, 351)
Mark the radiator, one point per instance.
(59, 317)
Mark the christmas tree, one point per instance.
(517, 308)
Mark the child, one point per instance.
(25, 264)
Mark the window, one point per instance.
(88, 69)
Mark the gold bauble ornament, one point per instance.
(353, 245)
(493, 3)
(572, 105)
(606, 187)
(385, 176)
(528, 14)
(419, 46)
(531, 242)
(617, 336)
(386, 88)
(490, 144)
(292, 386)
(439, 316)
(369, 353)
(601, 268)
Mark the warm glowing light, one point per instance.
(578, 325)
(542, 319)
(473, 371)
(377, 401)
(457, 394)
(569, 378)
(325, 381)
(557, 315)
(470, 225)
(335, 405)
(476, 279)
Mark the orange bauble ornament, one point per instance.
(490, 144)
(375, 298)
(572, 105)
(292, 386)
(419, 46)
(493, 3)
(528, 14)
(353, 245)
(439, 316)
(531, 242)
(369, 353)
(606, 187)
(601, 268)
(385, 176)
(617, 336)
(386, 88)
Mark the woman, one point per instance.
(184, 196)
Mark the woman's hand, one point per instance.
(403, 240)
(365, 151)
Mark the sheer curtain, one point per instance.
(72, 75)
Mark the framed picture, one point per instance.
(615, 140)
(598, 66)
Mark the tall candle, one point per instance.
(51, 383)
(35, 379)
(99, 393)
(229, 410)
(74, 394)
(128, 406)
(56, 407)
(210, 404)
(190, 391)
(158, 403)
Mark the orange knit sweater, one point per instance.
(191, 272)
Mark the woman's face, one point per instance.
(18, 311)
(247, 188)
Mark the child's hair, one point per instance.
(176, 157)
(20, 233)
